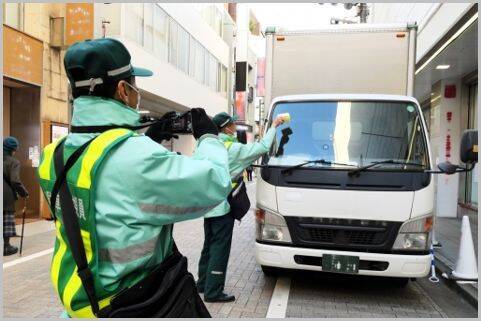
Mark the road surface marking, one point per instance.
(280, 297)
(27, 258)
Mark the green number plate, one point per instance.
(340, 263)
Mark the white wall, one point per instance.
(190, 19)
(168, 82)
(434, 19)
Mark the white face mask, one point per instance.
(137, 107)
(231, 133)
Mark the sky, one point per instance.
(298, 15)
(295, 16)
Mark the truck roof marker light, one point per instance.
(448, 42)
(281, 38)
(400, 35)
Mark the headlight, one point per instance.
(414, 235)
(271, 227)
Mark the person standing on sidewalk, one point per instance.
(218, 224)
(12, 188)
(126, 191)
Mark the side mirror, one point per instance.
(469, 146)
(447, 168)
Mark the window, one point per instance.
(173, 42)
(192, 52)
(134, 22)
(13, 15)
(207, 68)
(148, 26)
(355, 133)
(200, 72)
(161, 35)
(183, 50)
(223, 79)
(213, 73)
(218, 21)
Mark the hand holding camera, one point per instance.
(195, 122)
(162, 129)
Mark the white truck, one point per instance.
(346, 187)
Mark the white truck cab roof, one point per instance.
(365, 97)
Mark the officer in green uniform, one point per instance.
(218, 224)
(127, 189)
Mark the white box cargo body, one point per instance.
(346, 186)
(348, 59)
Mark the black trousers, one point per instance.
(215, 254)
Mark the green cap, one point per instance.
(222, 119)
(105, 60)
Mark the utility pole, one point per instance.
(362, 12)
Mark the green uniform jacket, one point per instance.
(142, 188)
(240, 157)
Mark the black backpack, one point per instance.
(239, 200)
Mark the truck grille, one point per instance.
(343, 234)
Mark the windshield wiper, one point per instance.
(315, 161)
(389, 161)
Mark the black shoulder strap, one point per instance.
(71, 223)
(63, 173)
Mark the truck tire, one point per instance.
(269, 270)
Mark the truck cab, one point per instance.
(346, 187)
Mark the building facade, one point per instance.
(188, 47)
(246, 67)
(446, 85)
(35, 88)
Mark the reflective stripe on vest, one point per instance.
(63, 269)
(227, 145)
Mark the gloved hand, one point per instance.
(162, 130)
(202, 124)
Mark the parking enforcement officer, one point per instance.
(126, 188)
(218, 225)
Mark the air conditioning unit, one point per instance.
(57, 32)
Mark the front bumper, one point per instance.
(398, 265)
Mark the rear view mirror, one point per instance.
(469, 146)
(447, 168)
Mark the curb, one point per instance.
(468, 291)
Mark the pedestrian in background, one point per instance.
(12, 188)
(249, 173)
(218, 223)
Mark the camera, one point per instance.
(182, 123)
(173, 122)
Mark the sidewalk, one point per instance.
(448, 234)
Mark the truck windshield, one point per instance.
(350, 132)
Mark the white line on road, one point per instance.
(280, 297)
(27, 258)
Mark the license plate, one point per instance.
(340, 263)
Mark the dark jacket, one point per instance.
(12, 186)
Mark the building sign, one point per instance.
(79, 23)
(58, 131)
(261, 70)
(22, 56)
(240, 104)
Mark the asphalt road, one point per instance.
(27, 290)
